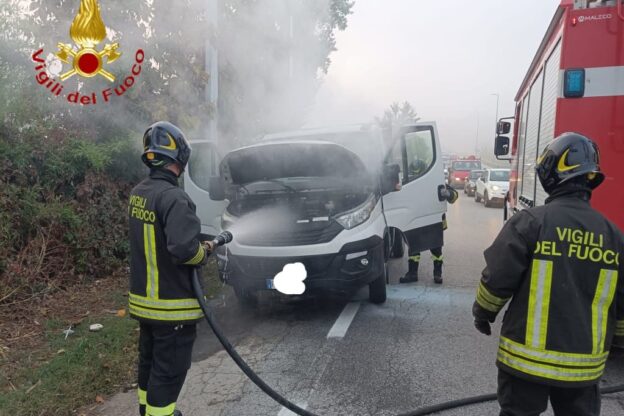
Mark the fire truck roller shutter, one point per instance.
(532, 136)
(551, 91)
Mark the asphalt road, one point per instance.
(349, 357)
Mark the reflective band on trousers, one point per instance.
(619, 328)
(539, 303)
(149, 242)
(415, 258)
(603, 299)
(436, 258)
(142, 397)
(550, 371)
(161, 411)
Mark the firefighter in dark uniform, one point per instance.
(418, 168)
(559, 266)
(164, 249)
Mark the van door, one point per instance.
(416, 209)
(203, 165)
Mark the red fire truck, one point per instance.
(460, 168)
(575, 83)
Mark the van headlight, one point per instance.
(227, 220)
(352, 219)
(496, 188)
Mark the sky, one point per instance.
(447, 58)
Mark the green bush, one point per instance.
(63, 209)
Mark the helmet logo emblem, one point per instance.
(563, 166)
(171, 145)
(87, 31)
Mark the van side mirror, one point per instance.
(501, 146)
(217, 188)
(390, 179)
(503, 127)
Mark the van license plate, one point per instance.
(269, 284)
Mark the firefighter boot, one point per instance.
(437, 271)
(412, 273)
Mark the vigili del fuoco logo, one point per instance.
(87, 59)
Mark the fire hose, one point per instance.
(227, 237)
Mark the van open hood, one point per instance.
(292, 160)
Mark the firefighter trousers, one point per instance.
(518, 397)
(436, 254)
(164, 359)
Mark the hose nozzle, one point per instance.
(220, 240)
(223, 238)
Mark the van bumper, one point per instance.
(357, 264)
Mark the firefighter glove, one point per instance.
(483, 326)
(453, 195)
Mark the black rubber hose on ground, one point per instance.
(423, 411)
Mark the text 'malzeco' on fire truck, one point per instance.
(575, 83)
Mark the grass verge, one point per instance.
(78, 370)
(57, 376)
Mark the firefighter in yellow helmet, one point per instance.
(559, 266)
(164, 248)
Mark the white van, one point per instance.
(322, 197)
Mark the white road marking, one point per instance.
(341, 326)
(286, 412)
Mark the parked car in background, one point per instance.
(471, 182)
(492, 186)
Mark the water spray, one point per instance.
(225, 238)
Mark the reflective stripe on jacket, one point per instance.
(164, 246)
(560, 266)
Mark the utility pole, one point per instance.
(496, 121)
(212, 68)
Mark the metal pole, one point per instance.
(496, 121)
(212, 68)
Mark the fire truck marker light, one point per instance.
(574, 83)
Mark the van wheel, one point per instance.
(377, 289)
(477, 197)
(246, 298)
(486, 200)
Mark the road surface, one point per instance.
(349, 357)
